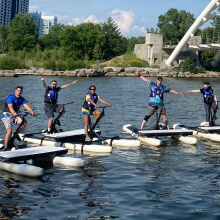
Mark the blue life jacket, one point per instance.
(88, 105)
(16, 102)
(51, 95)
(208, 95)
(157, 90)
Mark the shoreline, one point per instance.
(108, 72)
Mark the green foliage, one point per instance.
(22, 33)
(174, 24)
(127, 60)
(132, 41)
(11, 62)
(201, 70)
(189, 66)
(114, 44)
(3, 35)
(51, 40)
(153, 31)
(208, 56)
(82, 41)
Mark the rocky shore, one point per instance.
(107, 71)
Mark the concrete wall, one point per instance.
(155, 53)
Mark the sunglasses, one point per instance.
(92, 89)
(54, 84)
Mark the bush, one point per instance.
(189, 66)
(11, 63)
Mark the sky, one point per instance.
(132, 17)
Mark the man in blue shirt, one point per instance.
(10, 113)
(156, 99)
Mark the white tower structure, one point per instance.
(48, 22)
(203, 18)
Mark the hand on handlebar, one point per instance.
(32, 113)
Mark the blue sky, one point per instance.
(132, 17)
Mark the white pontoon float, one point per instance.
(145, 136)
(212, 133)
(15, 161)
(72, 139)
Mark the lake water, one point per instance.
(173, 181)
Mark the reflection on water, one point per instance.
(173, 181)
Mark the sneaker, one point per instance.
(88, 139)
(45, 131)
(6, 149)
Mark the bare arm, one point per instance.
(67, 85)
(104, 102)
(11, 109)
(43, 82)
(177, 93)
(141, 77)
(29, 109)
(198, 91)
(90, 100)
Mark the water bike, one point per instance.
(19, 159)
(151, 136)
(211, 132)
(75, 139)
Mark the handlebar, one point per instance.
(104, 106)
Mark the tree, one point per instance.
(22, 33)
(83, 41)
(51, 40)
(134, 40)
(189, 66)
(153, 31)
(3, 36)
(174, 24)
(114, 43)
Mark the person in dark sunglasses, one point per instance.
(88, 108)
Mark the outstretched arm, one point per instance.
(67, 85)
(193, 91)
(177, 93)
(43, 82)
(141, 77)
(104, 102)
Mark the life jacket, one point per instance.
(17, 102)
(157, 90)
(208, 95)
(51, 95)
(88, 105)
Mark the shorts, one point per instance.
(160, 110)
(8, 121)
(84, 113)
(51, 108)
(151, 110)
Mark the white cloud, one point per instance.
(139, 29)
(92, 19)
(124, 19)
